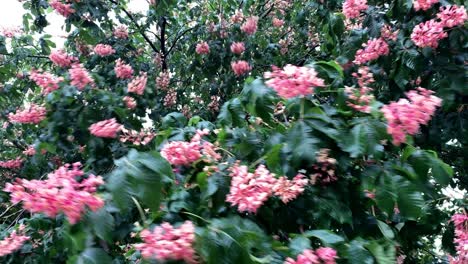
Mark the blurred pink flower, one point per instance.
(202, 48)
(122, 70)
(353, 8)
(372, 50)
(237, 47)
(250, 25)
(138, 84)
(423, 4)
(33, 114)
(428, 34)
(240, 67)
(106, 129)
(103, 50)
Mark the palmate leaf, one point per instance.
(357, 253)
(364, 138)
(140, 175)
(258, 99)
(233, 240)
(301, 143)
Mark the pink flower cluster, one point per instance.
(461, 238)
(324, 169)
(138, 84)
(60, 192)
(12, 164)
(47, 81)
(80, 77)
(63, 9)
(138, 138)
(33, 114)
(452, 16)
(372, 50)
(168, 243)
(287, 190)
(240, 67)
(324, 255)
(387, 33)
(104, 50)
(121, 32)
(423, 4)
(353, 8)
(250, 25)
(129, 102)
(428, 34)
(10, 32)
(122, 70)
(277, 22)
(248, 190)
(12, 243)
(237, 47)
(361, 98)
(61, 58)
(163, 80)
(293, 81)
(106, 129)
(30, 151)
(406, 117)
(202, 48)
(171, 98)
(181, 153)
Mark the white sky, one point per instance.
(11, 15)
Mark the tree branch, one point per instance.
(142, 32)
(177, 38)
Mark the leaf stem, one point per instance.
(140, 210)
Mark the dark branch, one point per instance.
(177, 39)
(142, 32)
(162, 24)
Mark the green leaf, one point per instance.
(299, 244)
(94, 256)
(326, 236)
(301, 143)
(383, 254)
(410, 200)
(231, 113)
(386, 230)
(102, 223)
(357, 253)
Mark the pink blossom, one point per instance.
(168, 243)
(326, 254)
(80, 77)
(237, 17)
(181, 153)
(30, 151)
(452, 16)
(237, 47)
(423, 4)
(202, 48)
(428, 34)
(288, 190)
(163, 80)
(307, 256)
(63, 9)
(250, 25)
(61, 58)
(171, 98)
(33, 114)
(387, 33)
(360, 99)
(240, 67)
(106, 129)
(47, 81)
(461, 238)
(122, 70)
(293, 81)
(138, 138)
(138, 84)
(121, 32)
(277, 22)
(129, 102)
(406, 117)
(353, 8)
(12, 164)
(60, 192)
(248, 190)
(11, 32)
(104, 50)
(372, 50)
(12, 243)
